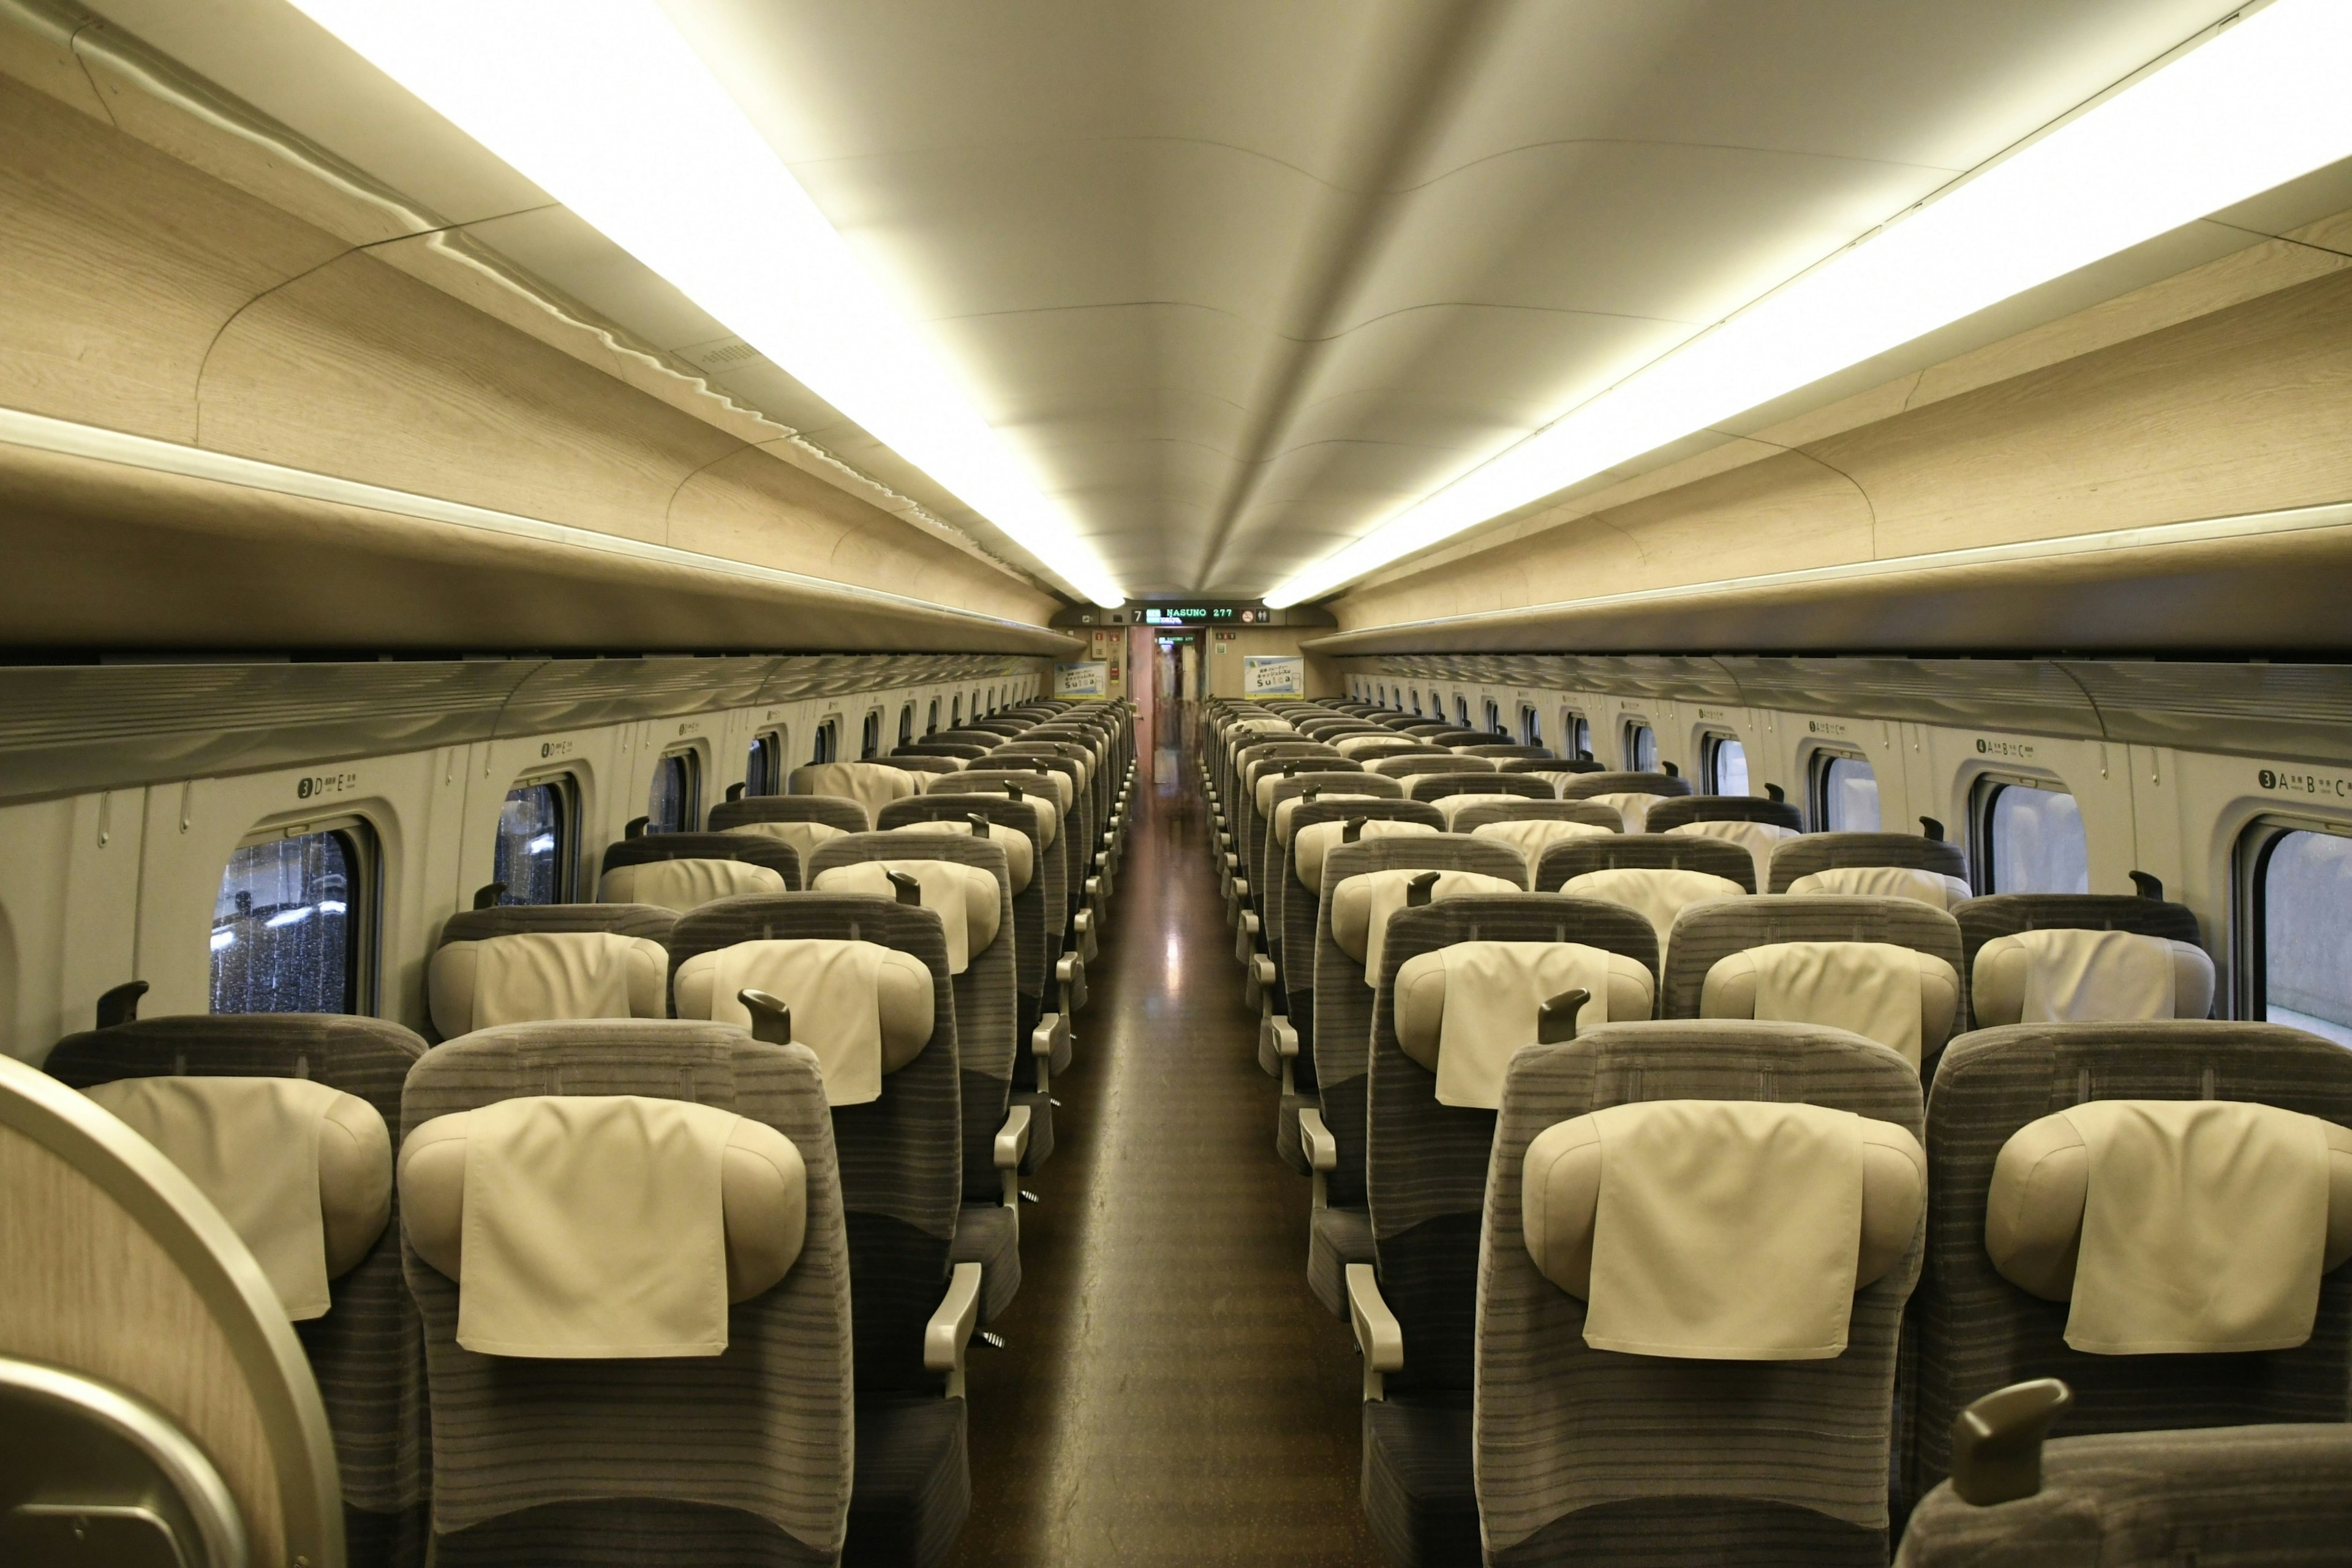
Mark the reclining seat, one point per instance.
(872, 785)
(898, 1138)
(2238, 1496)
(1273, 785)
(1369, 749)
(578, 1421)
(1081, 816)
(1093, 777)
(1453, 791)
(928, 766)
(1759, 827)
(1826, 856)
(803, 821)
(1433, 761)
(201, 1084)
(1244, 822)
(1658, 874)
(1065, 975)
(680, 871)
(967, 881)
(932, 745)
(1621, 1422)
(2023, 1236)
(2004, 923)
(1632, 793)
(1560, 773)
(1000, 723)
(1469, 981)
(1059, 791)
(1284, 793)
(1500, 752)
(1532, 827)
(1886, 968)
(515, 963)
(1390, 873)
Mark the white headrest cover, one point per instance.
(1532, 838)
(1048, 815)
(1315, 842)
(1401, 766)
(600, 1227)
(866, 1010)
(2069, 976)
(1363, 904)
(965, 897)
(1902, 998)
(872, 785)
(1758, 838)
(1355, 745)
(1633, 806)
(1020, 855)
(1287, 809)
(803, 836)
(1929, 887)
(302, 1172)
(1657, 896)
(1463, 1011)
(1452, 806)
(532, 976)
(1720, 1229)
(2174, 1226)
(683, 884)
(1559, 780)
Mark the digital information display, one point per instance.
(1206, 615)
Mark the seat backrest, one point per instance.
(1293, 913)
(1676, 1459)
(917, 763)
(364, 1350)
(726, 864)
(1680, 811)
(1828, 851)
(1344, 993)
(530, 1452)
(1586, 785)
(1549, 765)
(872, 785)
(1425, 1171)
(901, 1154)
(1646, 852)
(1414, 764)
(1706, 934)
(1502, 752)
(2007, 914)
(1977, 1331)
(932, 746)
(1471, 816)
(454, 994)
(987, 1011)
(1033, 961)
(1438, 787)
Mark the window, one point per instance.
(1846, 793)
(763, 770)
(869, 736)
(932, 723)
(828, 742)
(1495, 719)
(1530, 726)
(1416, 704)
(1725, 763)
(956, 722)
(674, 804)
(532, 854)
(288, 924)
(2030, 839)
(1640, 747)
(2301, 962)
(1461, 710)
(1575, 733)
(907, 724)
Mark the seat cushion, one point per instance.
(1419, 1498)
(990, 1236)
(914, 1481)
(1337, 1237)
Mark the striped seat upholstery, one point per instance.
(1588, 1456)
(1061, 863)
(1266, 880)
(1438, 787)
(366, 1352)
(647, 920)
(1828, 851)
(2007, 914)
(833, 811)
(1975, 1332)
(1426, 1182)
(647, 848)
(1681, 811)
(1644, 852)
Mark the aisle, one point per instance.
(1173, 1393)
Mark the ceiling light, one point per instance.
(2258, 104)
(602, 104)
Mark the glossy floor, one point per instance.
(1173, 1393)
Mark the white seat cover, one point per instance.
(1452, 806)
(1316, 841)
(1758, 838)
(1658, 896)
(872, 785)
(1633, 806)
(1363, 904)
(1532, 838)
(865, 1009)
(1869, 988)
(963, 897)
(803, 836)
(1020, 855)
(1490, 997)
(532, 976)
(2090, 976)
(684, 885)
(1929, 887)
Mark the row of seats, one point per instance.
(1628, 1178)
(671, 1248)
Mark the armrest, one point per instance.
(1378, 1334)
(949, 1333)
(1322, 1149)
(1012, 1148)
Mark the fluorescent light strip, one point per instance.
(603, 105)
(2260, 103)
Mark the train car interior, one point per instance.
(1554, 784)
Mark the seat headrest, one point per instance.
(1463, 1011)
(1657, 896)
(684, 885)
(1532, 838)
(1041, 804)
(1721, 1229)
(803, 836)
(530, 977)
(843, 815)
(1930, 888)
(1633, 806)
(1284, 810)
(597, 1227)
(865, 1009)
(1362, 741)
(1063, 788)
(1586, 787)
(1453, 805)
(302, 1172)
(1020, 855)
(872, 785)
(1361, 905)
(2174, 1226)
(1899, 996)
(1758, 838)
(965, 897)
(1313, 844)
(2063, 976)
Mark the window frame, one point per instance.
(773, 744)
(1710, 747)
(566, 784)
(931, 719)
(1818, 758)
(2250, 859)
(869, 735)
(1530, 724)
(690, 757)
(1461, 711)
(1571, 720)
(907, 725)
(1984, 789)
(1630, 750)
(363, 853)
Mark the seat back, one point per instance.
(641, 1459)
(1058, 862)
(1674, 1460)
(1706, 934)
(1471, 816)
(1680, 811)
(1442, 786)
(901, 1154)
(732, 863)
(1033, 958)
(1647, 852)
(917, 763)
(1297, 904)
(932, 746)
(1502, 752)
(2007, 914)
(872, 785)
(1829, 851)
(1977, 1332)
(455, 994)
(1425, 1169)
(1549, 765)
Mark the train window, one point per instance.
(289, 923)
(532, 854)
(2300, 968)
(1640, 747)
(763, 770)
(932, 719)
(869, 736)
(2030, 839)
(1530, 726)
(1494, 719)
(1725, 763)
(1846, 793)
(673, 804)
(907, 724)
(1575, 734)
(828, 742)
(1462, 711)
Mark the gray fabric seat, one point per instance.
(719, 844)
(1438, 787)
(648, 921)
(1562, 863)
(367, 1351)
(1681, 811)
(1597, 1457)
(1590, 784)
(1549, 765)
(1830, 851)
(914, 1481)
(742, 1458)
(1975, 1332)
(2007, 914)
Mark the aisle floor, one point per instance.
(1171, 1392)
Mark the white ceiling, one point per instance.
(1243, 280)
